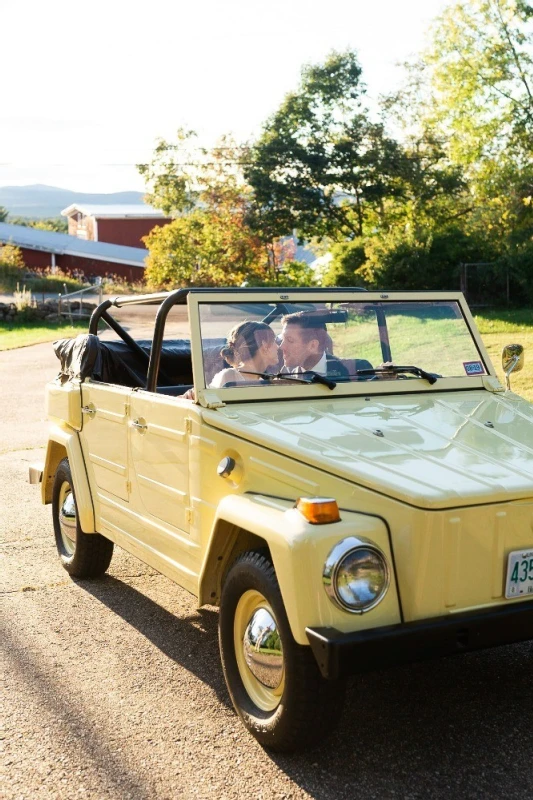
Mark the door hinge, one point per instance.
(127, 408)
(492, 384)
(210, 399)
(188, 425)
(128, 487)
(189, 515)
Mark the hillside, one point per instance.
(40, 201)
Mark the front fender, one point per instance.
(298, 550)
(65, 442)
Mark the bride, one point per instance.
(251, 347)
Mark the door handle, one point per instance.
(141, 426)
(90, 410)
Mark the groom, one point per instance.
(304, 340)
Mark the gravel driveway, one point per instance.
(112, 688)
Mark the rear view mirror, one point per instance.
(512, 360)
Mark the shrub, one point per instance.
(291, 273)
(11, 256)
(348, 258)
(22, 298)
(11, 267)
(427, 260)
(115, 284)
(48, 281)
(519, 266)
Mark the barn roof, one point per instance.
(114, 211)
(63, 244)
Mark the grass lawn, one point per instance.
(499, 328)
(12, 336)
(413, 337)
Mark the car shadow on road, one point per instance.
(453, 727)
(190, 641)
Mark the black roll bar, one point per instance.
(124, 335)
(178, 297)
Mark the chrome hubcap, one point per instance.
(67, 518)
(259, 651)
(263, 652)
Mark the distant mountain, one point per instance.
(40, 201)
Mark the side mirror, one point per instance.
(512, 360)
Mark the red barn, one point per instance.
(50, 250)
(117, 224)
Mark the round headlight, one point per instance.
(356, 575)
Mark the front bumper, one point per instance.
(340, 654)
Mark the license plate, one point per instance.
(519, 579)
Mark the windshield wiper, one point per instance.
(420, 373)
(291, 376)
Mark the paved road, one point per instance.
(113, 689)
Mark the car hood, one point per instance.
(431, 451)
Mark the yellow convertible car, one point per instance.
(341, 472)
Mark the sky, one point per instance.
(88, 88)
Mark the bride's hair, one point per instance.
(244, 340)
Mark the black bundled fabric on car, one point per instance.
(115, 362)
(88, 357)
(77, 356)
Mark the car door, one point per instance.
(104, 441)
(159, 430)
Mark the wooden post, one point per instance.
(463, 278)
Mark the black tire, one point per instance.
(303, 708)
(84, 555)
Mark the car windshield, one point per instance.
(271, 343)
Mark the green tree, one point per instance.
(57, 224)
(287, 274)
(3, 214)
(320, 161)
(435, 192)
(347, 259)
(423, 260)
(473, 89)
(169, 176)
(469, 97)
(480, 69)
(210, 243)
(201, 249)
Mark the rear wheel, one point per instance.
(84, 555)
(274, 683)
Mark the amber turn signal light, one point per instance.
(318, 510)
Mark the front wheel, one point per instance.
(84, 555)
(274, 683)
